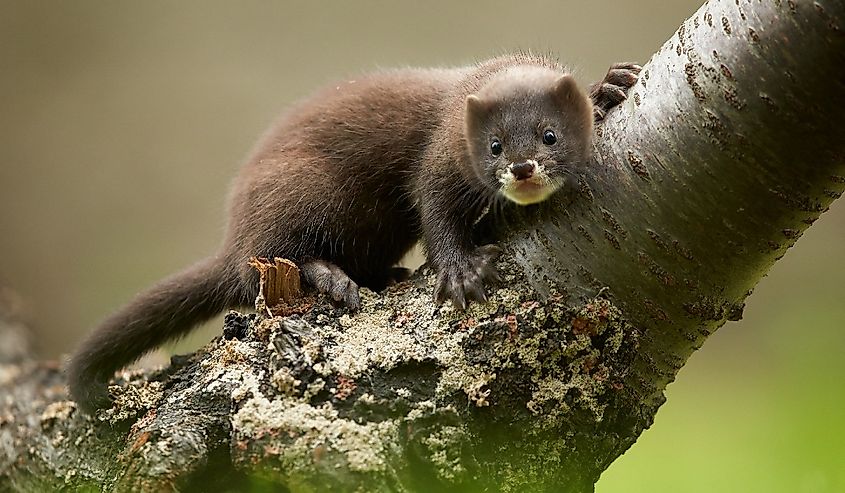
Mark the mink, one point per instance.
(348, 180)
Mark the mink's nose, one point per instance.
(522, 171)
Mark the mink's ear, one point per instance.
(476, 111)
(476, 107)
(567, 93)
(577, 107)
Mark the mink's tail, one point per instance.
(167, 311)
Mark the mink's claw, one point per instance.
(463, 282)
(330, 279)
(611, 90)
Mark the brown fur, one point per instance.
(344, 184)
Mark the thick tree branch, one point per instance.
(728, 148)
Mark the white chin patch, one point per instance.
(523, 197)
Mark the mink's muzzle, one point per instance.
(522, 171)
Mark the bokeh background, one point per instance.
(122, 122)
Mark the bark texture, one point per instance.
(728, 148)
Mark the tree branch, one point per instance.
(728, 148)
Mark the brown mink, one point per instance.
(347, 181)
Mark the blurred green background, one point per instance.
(121, 124)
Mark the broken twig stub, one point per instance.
(279, 283)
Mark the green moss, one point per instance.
(444, 447)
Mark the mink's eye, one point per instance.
(549, 137)
(496, 147)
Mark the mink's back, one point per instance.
(329, 179)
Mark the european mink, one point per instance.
(347, 181)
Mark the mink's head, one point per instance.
(526, 128)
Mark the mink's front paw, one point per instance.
(332, 281)
(464, 281)
(611, 90)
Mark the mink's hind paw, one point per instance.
(611, 90)
(330, 279)
(464, 281)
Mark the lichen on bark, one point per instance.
(436, 376)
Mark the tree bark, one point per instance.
(727, 149)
